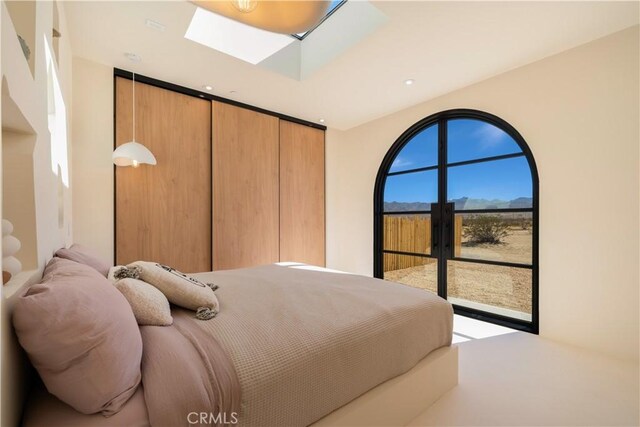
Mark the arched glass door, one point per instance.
(456, 214)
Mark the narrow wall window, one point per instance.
(456, 213)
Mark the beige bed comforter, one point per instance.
(300, 343)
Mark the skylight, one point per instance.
(290, 55)
(335, 4)
(234, 38)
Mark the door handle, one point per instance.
(435, 229)
(447, 232)
(435, 232)
(448, 229)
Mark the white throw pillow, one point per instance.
(149, 305)
(179, 288)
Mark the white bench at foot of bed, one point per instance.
(401, 399)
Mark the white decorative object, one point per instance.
(10, 246)
(133, 153)
(11, 265)
(7, 228)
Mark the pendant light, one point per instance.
(133, 153)
(277, 16)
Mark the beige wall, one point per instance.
(579, 113)
(41, 209)
(92, 148)
(29, 93)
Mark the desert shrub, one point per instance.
(486, 229)
(525, 224)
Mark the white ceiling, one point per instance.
(442, 45)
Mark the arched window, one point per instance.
(456, 213)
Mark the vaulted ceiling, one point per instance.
(443, 46)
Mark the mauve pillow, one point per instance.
(86, 256)
(81, 336)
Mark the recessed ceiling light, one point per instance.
(321, 120)
(133, 57)
(207, 87)
(409, 82)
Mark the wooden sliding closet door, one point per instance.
(163, 212)
(302, 228)
(245, 187)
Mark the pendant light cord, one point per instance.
(134, 106)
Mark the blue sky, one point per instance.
(467, 140)
(420, 152)
(333, 5)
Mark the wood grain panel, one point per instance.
(163, 212)
(245, 187)
(302, 210)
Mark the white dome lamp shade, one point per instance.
(133, 153)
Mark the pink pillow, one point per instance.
(86, 256)
(81, 336)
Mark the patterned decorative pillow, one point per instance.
(179, 288)
(112, 272)
(118, 272)
(149, 305)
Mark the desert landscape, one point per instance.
(498, 286)
(516, 247)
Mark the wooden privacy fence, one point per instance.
(412, 234)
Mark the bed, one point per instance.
(292, 345)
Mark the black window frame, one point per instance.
(324, 18)
(441, 119)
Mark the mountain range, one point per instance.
(462, 203)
